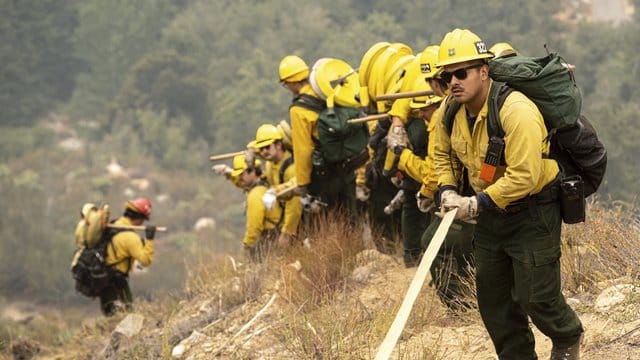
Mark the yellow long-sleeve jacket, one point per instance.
(292, 206)
(401, 109)
(259, 218)
(127, 246)
(304, 129)
(422, 169)
(526, 172)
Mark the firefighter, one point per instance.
(125, 248)
(261, 229)
(517, 235)
(280, 174)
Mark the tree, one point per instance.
(37, 56)
(111, 37)
(165, 82)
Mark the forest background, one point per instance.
(160, 85)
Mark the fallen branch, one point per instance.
(247, 325)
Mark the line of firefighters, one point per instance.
(279, 190)
(399, 183)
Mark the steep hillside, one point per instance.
(337, 299)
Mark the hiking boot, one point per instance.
(568, 352)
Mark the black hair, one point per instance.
(131, 214)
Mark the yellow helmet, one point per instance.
(266, 135)
(369, 59)
(428, 61)
(336, 80)
(419, 102)
(240, 165)
(461, 45)
(503, 49)
(292, 69)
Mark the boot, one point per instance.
(568, 352)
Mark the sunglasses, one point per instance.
(265, 148)
(460, 74)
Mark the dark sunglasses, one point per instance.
(460, 74)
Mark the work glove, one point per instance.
(311, 204)
(301, 191)
(221, 169)
(397, 138)
(248, 252)
(269, 199)
(424, 203)
(362, 193)
(284, 240)
(467, 206)
(250, 157)
(150, 232)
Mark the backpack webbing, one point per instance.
(309, 102)
(285, 165)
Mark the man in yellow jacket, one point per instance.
(517, 236)
(336, 191)
(125, 248)
(280, 173)
(262, 223)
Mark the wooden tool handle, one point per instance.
(134, 227)
(404, 95)
(367, 118)
(225, 156)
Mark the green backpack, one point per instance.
(546, 81)
(339, 142)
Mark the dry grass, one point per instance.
(605, 247)
(321, 313)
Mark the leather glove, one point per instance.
(424, 203)
(311, 204)
(362, 193)
(301, 191)
(269, 199)
(150, 232)
(250, 157)
(397, 138)
(221, 169)
(467, 206)
(284, 240)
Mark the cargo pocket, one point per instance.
(545, 274)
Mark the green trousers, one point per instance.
(338, 192)
(387, 226)
(451, 269)
(118, 290)
(518, 276)
(414, 223)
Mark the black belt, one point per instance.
(348, 166)
(550, 193)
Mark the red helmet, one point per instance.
(140, 205)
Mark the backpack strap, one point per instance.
(450, 111)
(285, 165)
(497, 96)
(309, 102)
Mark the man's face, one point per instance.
(427, 112)
(465, 79)
(435, 86)
(268, 152)
(247, 178)
(291, 86)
